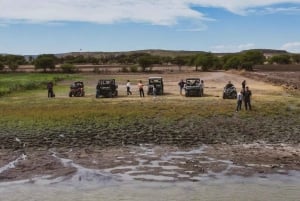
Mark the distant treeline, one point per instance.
(145, 61)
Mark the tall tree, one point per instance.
(45, 62)
(206, 61)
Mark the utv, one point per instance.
(156, 85)
(193, 87)
(229, 92)
(77, 89)
(106, 88)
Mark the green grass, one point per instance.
(14, 82)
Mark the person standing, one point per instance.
(202, 87)
(141, 88)
(128, 85)
(181, 86)
(244, 85)
(247, 98)
(239, 101)
(50, 90)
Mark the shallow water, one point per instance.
(276, 188)
(94, 185)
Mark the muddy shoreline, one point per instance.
(150, 162)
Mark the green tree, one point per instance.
(179, 61)
(45, 62)
(1, 66)
(146, 62)
(206, 61)
(296, 58)
(13, 66)
(68, 68)
(233, 62)
(281, 59)
(253, 56)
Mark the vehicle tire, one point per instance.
(116, 93)
(70, 94)
(224, 96)
(109, 94)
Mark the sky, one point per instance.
(31, 27)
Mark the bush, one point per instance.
(13, 66)
(134, 69)
(124, 69)
(68, 68)
(1, 66)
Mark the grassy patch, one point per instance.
(14, 82)
(40, 121)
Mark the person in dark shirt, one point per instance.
(244, 84)
(228, 85)
(50, 90)
(181, 86)
(247, 98)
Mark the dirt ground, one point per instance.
(223, 150)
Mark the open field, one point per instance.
(104, 128)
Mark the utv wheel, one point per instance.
(70, 94)
(109, 94)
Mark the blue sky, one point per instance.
(59, 26)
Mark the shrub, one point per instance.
(124, 69)
(13, 66)
(134, 69)
(1, 66)
(68, 68)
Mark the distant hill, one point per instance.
(158, 52)
(171, 53)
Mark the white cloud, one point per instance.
(158, 12)
(232, 48)
(292, 47)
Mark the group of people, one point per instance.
(140, 86)
(244, 95)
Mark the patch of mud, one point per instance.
(153, 163)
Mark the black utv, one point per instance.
(229, 92)
(193, 87)
(106, 88)
(77, 89)
(155, 84)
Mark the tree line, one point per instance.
(145, 61)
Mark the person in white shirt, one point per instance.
(239, 101)
(128, 88)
